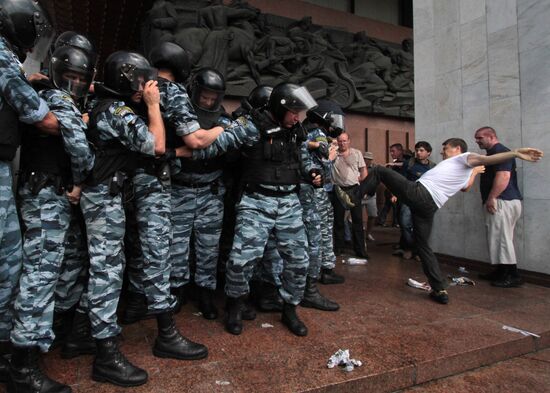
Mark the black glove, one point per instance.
(313, 173)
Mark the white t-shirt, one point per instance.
(447, 178)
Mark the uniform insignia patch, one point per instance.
(123, 111)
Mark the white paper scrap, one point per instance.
(516, 330)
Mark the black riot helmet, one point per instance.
(289, 97)
(76, 40)
(172, 57)
(125, 73)
(207, 89)
(26, 26)
(329, 115)
(259, 96)
(71, 70)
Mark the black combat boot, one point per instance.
(510, 278)
(314, 299)
(234, 322)
(5, 350)
(206, 303)
(249, 313)
(328, 276)
(61, 325)
(79, 341)
(171, 344)
(136, 308)
(181, 299)
(270, 300)
(111, 366)
(291, 321)
(26, 375)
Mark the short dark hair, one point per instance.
(454, 142)
(490, 129)
(397, 145)
(423, 144)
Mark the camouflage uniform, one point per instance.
(312, 225)
(15, 95)
(258, 216)
(71, 288)
(194, 208)
(105, 220)
(152, 208)
(322, 203)
(271, 266)
(46, 217)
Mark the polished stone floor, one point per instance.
(401, 336)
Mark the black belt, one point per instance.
(345, 188)
(268, 192)
(192, 185)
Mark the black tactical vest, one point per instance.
(273, 160)
(207, 120)
(110, 156)
(10, 138)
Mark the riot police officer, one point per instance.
(22, 24)
(117, 135)
(50, 167)
(200, 191)
(272, 143)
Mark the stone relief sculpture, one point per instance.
(250, 48)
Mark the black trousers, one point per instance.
(423, 209)
(357, 234)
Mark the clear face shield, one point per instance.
(75, 83)
(302, 100)
(138, 77)
(338, 122)
(206, 99)
(44, 38)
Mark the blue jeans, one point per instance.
(406, 242)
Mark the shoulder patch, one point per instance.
(66, 97)
(123, 111)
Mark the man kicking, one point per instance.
(432, 190)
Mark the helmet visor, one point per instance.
(337, 122)
(302, 100)
(44, 38)
(74, 83)
(138, 77)
(207, 99)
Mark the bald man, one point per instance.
(501, 208)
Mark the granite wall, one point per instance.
(487, 62)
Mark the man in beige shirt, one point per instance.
(348, 170)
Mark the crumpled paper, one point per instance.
(420, 285)
(516, 330)
(461, 281)
(342, 358)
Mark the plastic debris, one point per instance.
(198, 314)
(342, 358)
(355, 261)
(267, 325)
(516, 330)
(223, 383)
(420, 285)
(461, 281)
(462, 269)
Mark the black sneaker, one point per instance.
(440, 296)
(508, 282)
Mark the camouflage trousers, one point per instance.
(10, 250)
(326, 216)
(312, 225)
(104, 217)
(270, 267)
(258, 216)
(196, 211)
(150, 270)
(46, 218)
(71, 288)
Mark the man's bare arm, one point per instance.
(363, 172)
(49, 124)
(523, 153)
(477, 170)
(202, 138)
(502, 178)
